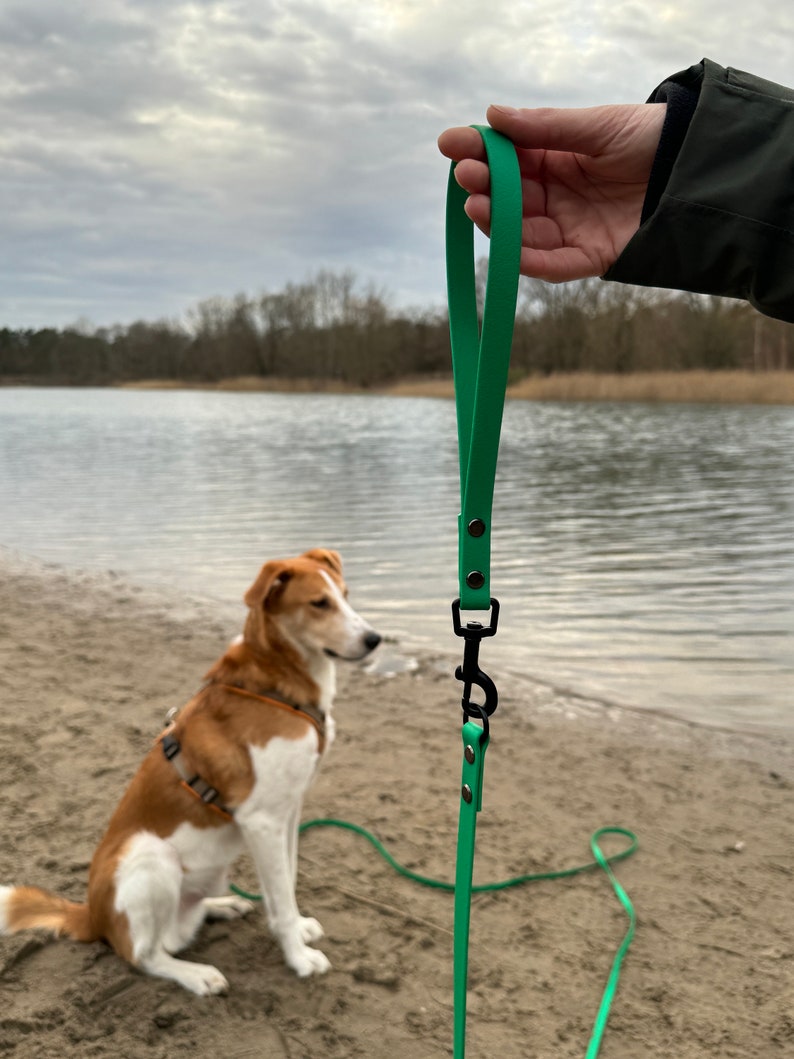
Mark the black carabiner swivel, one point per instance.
(470, 673)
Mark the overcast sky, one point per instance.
(154, 153)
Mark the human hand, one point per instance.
(584, 177)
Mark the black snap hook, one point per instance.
(475, 627)
(470, 673)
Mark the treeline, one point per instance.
(331, 327)
(611, 327)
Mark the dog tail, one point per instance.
(26, 907)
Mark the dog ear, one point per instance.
(271, 576)
(331, 559)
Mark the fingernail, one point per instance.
(509, 112)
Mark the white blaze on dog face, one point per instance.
(314, 612)
(307, 598)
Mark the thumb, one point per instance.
(584, 130)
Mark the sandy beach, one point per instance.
(89, 665)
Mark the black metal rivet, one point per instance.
(476, 527)
(475, 579)
(466, 793)
(468, 753)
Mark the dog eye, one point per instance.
(320, 604)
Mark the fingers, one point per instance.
(462, 142)
(557, 266)
(544, 254)
(474, 177)
(478, 210)
(537, 233)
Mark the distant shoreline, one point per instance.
(692, 387)
(704, 387)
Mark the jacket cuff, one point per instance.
(681, 101)
(723, 221)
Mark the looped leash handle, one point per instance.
(481, 356)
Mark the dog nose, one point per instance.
(371, 640)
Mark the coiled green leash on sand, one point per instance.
(600, 861)
(480, 888)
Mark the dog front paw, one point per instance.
(210, 982)
(200, 978)
(231, 907)
(310, 930)
(309, 961)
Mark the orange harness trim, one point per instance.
(312, 715)
(199, 788)
(227, 814)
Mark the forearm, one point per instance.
(719, 211)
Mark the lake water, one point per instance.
(643, 554)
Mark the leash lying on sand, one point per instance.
(601, 860)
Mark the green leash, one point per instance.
(449, 887)
(601, 861)
(480, 360)
(480, 363)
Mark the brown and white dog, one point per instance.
(228, 774)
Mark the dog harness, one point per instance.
(312, 713)
(193, 784)
(198, 787)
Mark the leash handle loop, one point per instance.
(481, 355)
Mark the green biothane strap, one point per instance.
(481, 356)
(474, 748)
(480, 363)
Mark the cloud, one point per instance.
(155, 153)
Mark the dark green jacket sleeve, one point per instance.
(723, 223)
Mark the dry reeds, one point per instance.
(705, 387)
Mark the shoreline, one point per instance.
(399, 657)
(690, 387)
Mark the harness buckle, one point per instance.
(208, 794)
(171, 746)
(470, 672)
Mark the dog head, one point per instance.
(306, 599)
